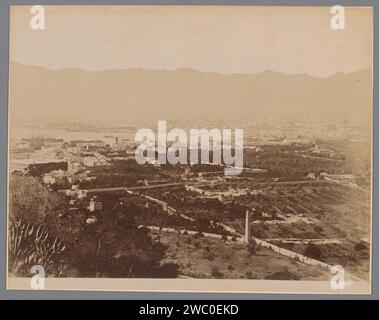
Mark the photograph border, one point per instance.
(4, 76)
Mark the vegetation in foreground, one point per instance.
(43, 231)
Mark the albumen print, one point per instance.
(190, 148)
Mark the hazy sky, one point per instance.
(211, 39)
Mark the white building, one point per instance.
(95, 205)
(89, 161)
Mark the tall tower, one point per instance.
(247, 226)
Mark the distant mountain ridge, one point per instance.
(37, 93)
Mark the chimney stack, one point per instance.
(247, 226)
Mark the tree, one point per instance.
(203, 223)
(312, 251)
(112, 247)
(108, 249)
(32, 201)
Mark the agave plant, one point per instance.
(32, 244)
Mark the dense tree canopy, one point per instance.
(112, 247)
(32, 201)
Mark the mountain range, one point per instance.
(40, 94)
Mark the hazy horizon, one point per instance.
(195, 70)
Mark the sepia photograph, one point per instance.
(190, 148)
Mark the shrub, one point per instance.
(252, 246)
(312, 251)
(360, 246)
(168, 270)
(283, 275)
(215, 272)
(209, 255)
(31, 245)
(250, 275)
(318, 229)
(198, 235)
